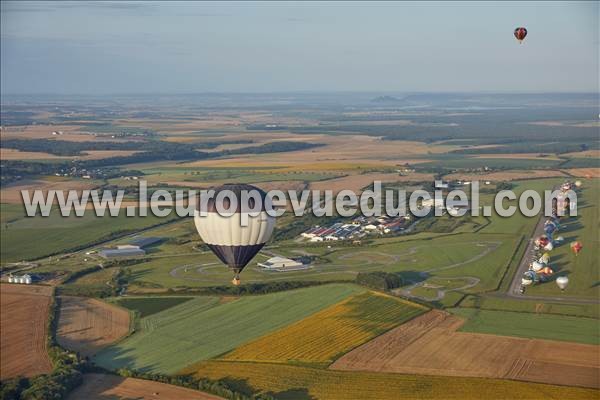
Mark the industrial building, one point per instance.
(134, 248)
(281, 264)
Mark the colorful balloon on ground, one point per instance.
(520, 33)
(549, 247)
(578, 183)
(545, 258)
(576, 247)
(537, 266)
(562, 282)
(225, 233)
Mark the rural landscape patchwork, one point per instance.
(460, 303)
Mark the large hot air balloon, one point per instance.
(520, 33)
(529, 277)
(224, 233)
(562, 282)
(537, 266)
(576, 247)
(545, 258)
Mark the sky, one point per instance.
(186, 47)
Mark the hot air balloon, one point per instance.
(529, 277)
(576, 247)
(537, 266)
(549, 246)
(520, 33)
(549, 229)
(562, 282)
(578, 183)
(545, 258)
(234, 244)
(559, 239)
(547, 271)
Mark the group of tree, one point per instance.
(379, 280)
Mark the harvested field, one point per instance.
(287, 382)
(584, 172)
(105, 387)
(505, 175)
(23, 329)
(14, 154)
(431, 345)
(357, 182)
(11, 193)
(520, 156)
(86, 325)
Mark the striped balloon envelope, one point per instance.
(234, 223)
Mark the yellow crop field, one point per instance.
(328, 334)
(287, 382)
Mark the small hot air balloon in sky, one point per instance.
(576, 247)
(562, 282)
(234, 241)
(520, 33)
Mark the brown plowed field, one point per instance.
(105, 387)
(431, 345)
(23, 327)
(86, 325)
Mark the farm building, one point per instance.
(280, 263)
(142, 242)
(24, 279)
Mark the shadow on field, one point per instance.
(412, 277)
(292, 394)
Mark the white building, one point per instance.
(280, 263)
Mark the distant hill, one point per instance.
(386, 99)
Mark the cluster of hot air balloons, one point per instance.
(539, 268)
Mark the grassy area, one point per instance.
(202, 328)
(531, 306)
(286, 382)
(57, 234)
(542, 326)
(324, 336)
(146, 306)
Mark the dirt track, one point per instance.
(431, 345)
(23, 327)
(86, 325)
(105, 387)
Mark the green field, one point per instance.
(202, 328)
(543, 326)
(146, 306)
(25, 238)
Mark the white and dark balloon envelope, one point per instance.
(234, 231)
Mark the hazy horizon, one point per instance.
(186, 48)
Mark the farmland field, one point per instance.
(103, 387)
(325, 335)
(202, 328)
(528, 325)
(288, 382)
(431, 345)
(86, 325)
(146, 306)
(23, 329)
(58, 234)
